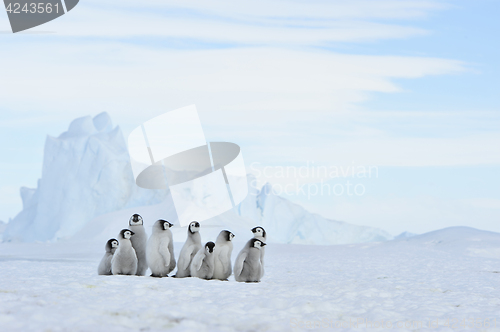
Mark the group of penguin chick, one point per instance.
(133, 253)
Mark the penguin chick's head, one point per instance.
(165, 224)
(135, 220)
(111, 244)
(225, 235)
(126, 234)
(194, 226)
(161, 225)
(258, 231)
(209, 247)
(256, 243)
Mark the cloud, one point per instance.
(292, 23)
(281, 104)
(312, 9)
(137, 25)
(239, 79)
(380, 150)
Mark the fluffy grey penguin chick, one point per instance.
(124, 259)
(247, 267)
(160, 249)
(202, 265)
(139, 241)
(189, 250)
(259, 233)
(104, 268)
(222, 253)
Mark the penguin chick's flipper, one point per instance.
(184, 264)
(238, 265)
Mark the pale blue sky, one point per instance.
(408, 86)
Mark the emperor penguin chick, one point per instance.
(160, 249)
(247, 267)
(139, 241)
(189, 250)
(202, 265)
(105, 264)
(222, 253)
(259, 233)
(124, 259)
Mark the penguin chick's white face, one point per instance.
(135, 220)
(258, 244)
(166, 225)
(258, 231)
(231, 236)
(127, 234)
(114, 244)
(194, 227)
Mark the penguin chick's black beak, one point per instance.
(132, 233)
(263, 244)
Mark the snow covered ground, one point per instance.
(446, 276)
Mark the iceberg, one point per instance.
(86, 173)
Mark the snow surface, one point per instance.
(87, 175)
(447, 274)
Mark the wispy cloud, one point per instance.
(305, 9)
(135, 78)
(270, 22)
